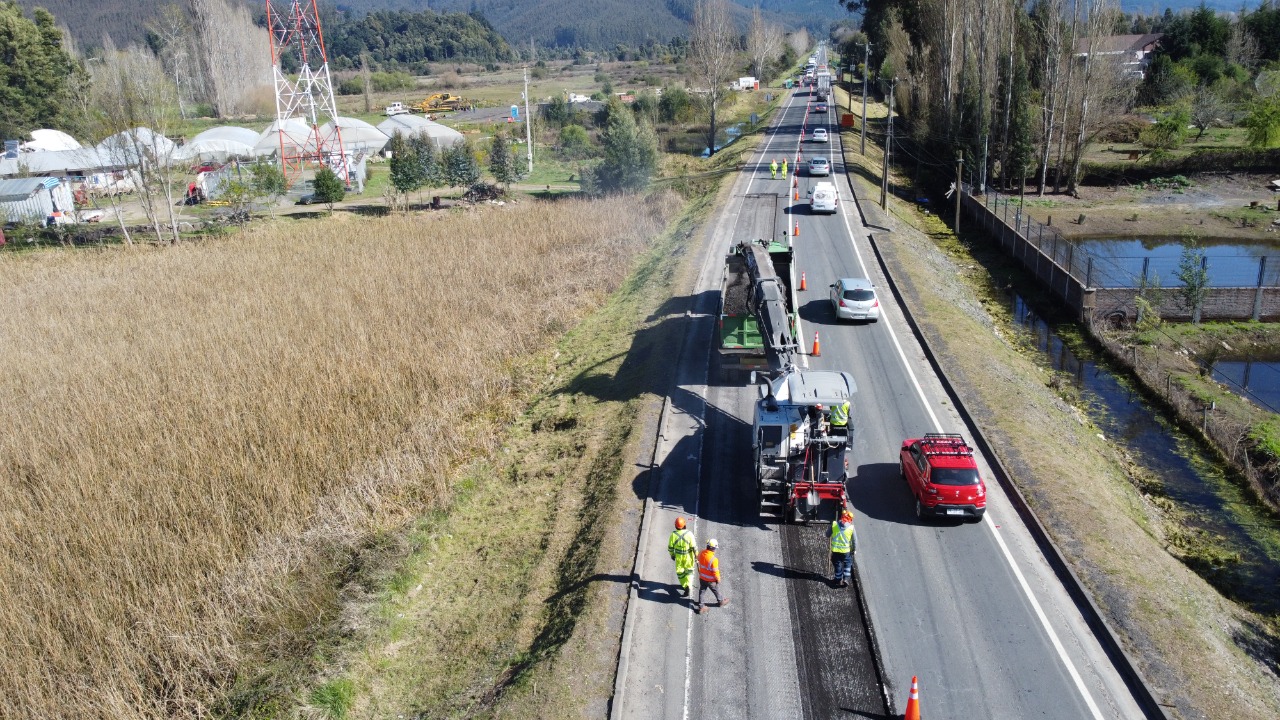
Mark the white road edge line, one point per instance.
(1008, 556)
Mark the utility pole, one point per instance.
(959, 190)
(528, 121)
(866, 71)
(888, 143)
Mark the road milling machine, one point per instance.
(800, 459)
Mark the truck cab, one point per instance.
(397, 108)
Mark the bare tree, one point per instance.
(1101, 85)
(1207, 107)
(800, 42)
(764, 43)
(175, 33)
(232, 56)
(1242, 46)
(135, 99)
(713, 56)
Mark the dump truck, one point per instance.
(757, 315)
(798, 455)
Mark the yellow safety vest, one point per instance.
(841, 538)
(840, 414)
(681, 543)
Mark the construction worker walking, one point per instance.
(784, 168)
(773, 169)
(683, 548)
(709, 575)
(843, 542)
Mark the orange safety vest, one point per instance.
(708, 566)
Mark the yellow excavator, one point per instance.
(441, 102)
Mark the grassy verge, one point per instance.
(1204, 655)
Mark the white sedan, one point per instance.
(820, 135)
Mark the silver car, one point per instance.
(855, 299)
(819, 165)
(820, 135)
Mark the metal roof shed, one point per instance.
(34, 199)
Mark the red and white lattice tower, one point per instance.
(302, 104)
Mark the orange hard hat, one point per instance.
(679, 523)
(846, 515)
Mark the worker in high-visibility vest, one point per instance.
(773, 169)
(784, 168)
(840, 417)
(843, 542)
(709, 575)
(683, 548)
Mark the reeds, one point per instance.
(197, 437)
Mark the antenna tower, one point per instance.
(302, 104)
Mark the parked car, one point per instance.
(855, 299)
(820, 135)
(819, 166)
(940, 470)
(823, 198)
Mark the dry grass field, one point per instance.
(201, 440)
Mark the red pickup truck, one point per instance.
(943, 476)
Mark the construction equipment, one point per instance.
(441, 102)
(799, 458)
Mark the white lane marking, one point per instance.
(1008, 556)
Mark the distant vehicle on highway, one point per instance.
(820, 107)
(940, 471)
(855, 299)
(819, 166)
(820, 135)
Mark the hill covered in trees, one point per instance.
(608, 23)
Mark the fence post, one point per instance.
(1257, 294)
(1088, 273)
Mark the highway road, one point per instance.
(973, 610)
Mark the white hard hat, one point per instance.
(713, 544)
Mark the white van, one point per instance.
(823, 198)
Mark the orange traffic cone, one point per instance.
(913, 702)
(803, 285)
(796, 231)
(796, 196)
(795, 181)
(817, 353)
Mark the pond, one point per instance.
(1214, 501)
(1118, 262)
(731, 133)
(1256, 379)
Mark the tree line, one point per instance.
(1018, 90)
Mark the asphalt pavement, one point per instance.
(973, 610)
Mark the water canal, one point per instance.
(1241, 538)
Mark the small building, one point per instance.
(1131, 53)
(36, 199)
